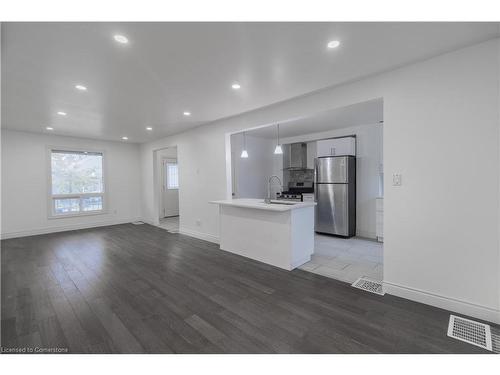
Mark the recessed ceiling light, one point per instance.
(125, 138)
(81, 88)
(187, 113)
(121, 39)
(61, 113)
(333, 44)
(149, 128)
(49, 128)
(236, 86)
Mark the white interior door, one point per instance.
(170, 187)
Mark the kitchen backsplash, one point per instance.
(303, 175)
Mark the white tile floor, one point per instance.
(171, 224)
(346, 259)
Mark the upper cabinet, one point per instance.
(336, 146)
(311, 154)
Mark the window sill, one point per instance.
(64, 216)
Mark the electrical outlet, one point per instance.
(198, 222)
(397, 179)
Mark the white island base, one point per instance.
(276, 234)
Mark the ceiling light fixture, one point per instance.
(125, 138)
(244, 153)
(49, 128)
(333, 44)
(61, 113)
(187, 113)
(81, 88)
(236, 86)
(278, 150)
(149, 128)
(121, 39)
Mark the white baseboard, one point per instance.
(147, 221)
(199, 235)
(64, 228)
(368, 235)
(459, 306)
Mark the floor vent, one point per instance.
(469, 331)
(138, 222)
(372, 286)
(495, 342)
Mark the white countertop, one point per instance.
(261, 205)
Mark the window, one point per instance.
(76, 182)
(172, 176)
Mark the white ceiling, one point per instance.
(365, 113)
(168, 68)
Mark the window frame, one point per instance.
(51, 197)
(167, 162)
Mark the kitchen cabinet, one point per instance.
(250, 227)
(336, 146)
(311, 154)
(379, 218)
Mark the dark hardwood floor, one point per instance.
(140, 289)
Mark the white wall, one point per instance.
(25, 183)
(251, 174)
(368, 159)
(441, 226)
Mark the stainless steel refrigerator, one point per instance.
(335, 191)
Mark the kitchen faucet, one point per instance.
(268, 199)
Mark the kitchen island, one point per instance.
(277, 233)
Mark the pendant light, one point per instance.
(244, 153)
(278, 150)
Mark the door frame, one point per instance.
(163, 188)
(157, 181)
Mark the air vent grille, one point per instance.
(372, 286)
(495, 341)
(469, 331)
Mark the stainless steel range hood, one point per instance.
(295, 156)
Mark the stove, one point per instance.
(295, 191)
(289, 196)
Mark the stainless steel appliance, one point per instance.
(335, 192)
(295, 156)
(296, 190)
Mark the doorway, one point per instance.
(355, 130)
(170, 187)
(168, 173)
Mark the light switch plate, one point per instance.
(396, 179)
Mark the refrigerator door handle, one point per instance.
(315, 179)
